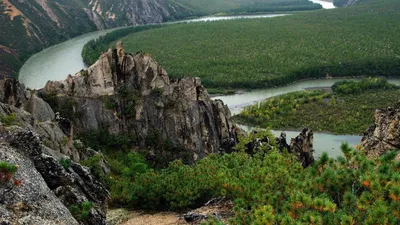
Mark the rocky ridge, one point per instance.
(48, 189)
(132, 94)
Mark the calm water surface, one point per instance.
(56, 62)
(322, 142)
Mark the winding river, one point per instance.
(56, 62)
(322, 141)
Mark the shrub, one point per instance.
(273, 188)
(66, 163)
(9, 120)
(102, 139)
(353, 87)
(81, 211)
(7, 182)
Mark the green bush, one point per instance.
(102, 139)
(273, 188)
(9, 120)
(354, 87)
(7, 182)
(348, 113)
(6, 167)
(262, 53)
(81, 211)
(66, 163)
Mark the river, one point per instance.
(56, 62)
(325, 4)
(322, 141)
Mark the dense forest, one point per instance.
(29, 26)
(268, 187)
(259, 53)
(349, 109)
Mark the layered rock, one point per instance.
(132, 94)
(384, 135)
(40, 199)
(45, 183)
(302, 146)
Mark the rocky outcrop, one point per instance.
(384, 135)
(15, 94)
(131, 93)
(46, 185)
(302, 146)
(33, 202)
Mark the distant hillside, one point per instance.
(27, 27)
(358, 40)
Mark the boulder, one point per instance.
(384, 134)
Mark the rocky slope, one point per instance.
(132, 94)
(123, 93)
(29, 26)
(384, 135)
(47, 189)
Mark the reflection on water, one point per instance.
(325, 4)
(216, 18)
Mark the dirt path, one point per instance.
(125, 217)
(222, 209)
(163, 218)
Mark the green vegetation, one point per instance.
(268, 187)
(353, 87)
(66, 163)
(63, 104)
(103, 140)
(81, 211)
(276, 6)
(245, 6)
(7, 171)
(348, 110)
(91, 50)
(7, 168)
(261, 53)
(9, 120)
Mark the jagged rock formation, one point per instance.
(48, 190)
(128, 93)
(384, 135)
(302, 146)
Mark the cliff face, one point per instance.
(29, 26)
(132, 94)
(384, 135)
(35, 142)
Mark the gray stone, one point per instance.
(39, 109)
(146, 102)
(32, 202)
(384, 134)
